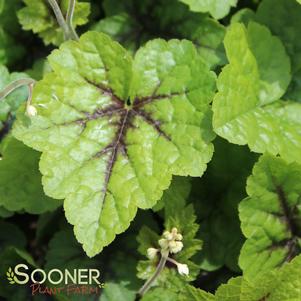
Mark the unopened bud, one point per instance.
(31, 111)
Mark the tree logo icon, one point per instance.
(10, 276)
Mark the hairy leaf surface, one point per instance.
(270, 216)
(38, 17)
(113, 130)
(247, 109)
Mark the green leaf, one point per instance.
(270, 216)
(216, 197)
(65, 252)
(113, 131)
(230, 291)
(282, 284)
(117, 291)
(217, 8)
(176, 289)
(11, 103)
(128, 22)
(38, 17)
(5, 213)
(20, 179)
(10, 49)
(246, 108)
(11, 235)
(284, 21)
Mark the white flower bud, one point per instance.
(183, 269)
(31, 111)
(152, 253)
(163, 243)
(168, 235)
(179, 236)
(175, 246)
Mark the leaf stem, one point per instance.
(15, 85)
(69, 19)
(160, 267)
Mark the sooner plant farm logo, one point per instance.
(56, 281)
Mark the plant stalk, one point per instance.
(15, 85)
(147, 285)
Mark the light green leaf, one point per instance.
(11, 103)
(20, 180)
(229, 291)
(38, 17)
(270, 216)
(246, 108)
(217, 8)
(113, 131)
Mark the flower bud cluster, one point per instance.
(171, 241)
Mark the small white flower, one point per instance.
(163, 243)
(31, 111)
(168, 235)
(183, 269)
(152, 253)
(175, 246)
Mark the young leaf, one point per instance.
(217, 8)
(20, 180)
(270, 216)
(38, 17)
(246, 108)
(132, 24)
(113, 130)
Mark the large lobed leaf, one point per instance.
(38, 17)
(247, 109)
(270, 216)
(113, 130)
